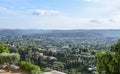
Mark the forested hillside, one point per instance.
(62, 33)
(68, 51)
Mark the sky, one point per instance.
(60, 14)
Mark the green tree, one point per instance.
(108, 62)
(3, 48)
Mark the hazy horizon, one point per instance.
(51, 29)
(60, 14)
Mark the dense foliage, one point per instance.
(69, 51)
(27, 66)
(3, 48)
(109, 62)
(9, 58)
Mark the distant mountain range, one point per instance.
(62, 33)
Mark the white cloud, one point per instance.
(111, 12)
(29, 12)
(3, 9)
(106, 2)
(45, 12)
(63, 22)
(91, 0)
(108, 7)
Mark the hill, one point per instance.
(61, 33)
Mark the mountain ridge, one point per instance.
(64, 33)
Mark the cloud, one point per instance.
(91, 0)
(105, 2)
(3, 9)
(95, 21)
(29, 11)
(109, 9)
(62, 22)
(45, 12)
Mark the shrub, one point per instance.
(27, 66)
